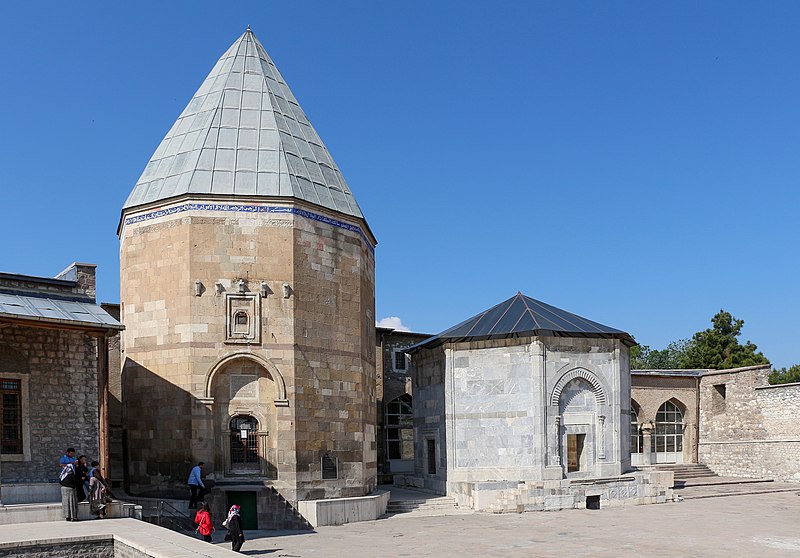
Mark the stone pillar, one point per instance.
(556, 454)
(601, 425)
(647, 443)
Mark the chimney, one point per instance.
(84, 275)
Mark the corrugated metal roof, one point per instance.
(244, 133)
(671, 372)
(522, 316)
(70, 312)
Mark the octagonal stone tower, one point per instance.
(247, 290)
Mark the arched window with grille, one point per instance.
(244, 443)
(668, 439)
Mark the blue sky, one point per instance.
(631, 162)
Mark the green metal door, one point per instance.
(249, 510)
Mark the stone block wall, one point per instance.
(751, 431)
(429, 421)
(58, 369)
(312, 282)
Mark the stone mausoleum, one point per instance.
(247, 290)
(527, 407)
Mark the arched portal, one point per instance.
(668, 439)
(581, 436)
(243, 394)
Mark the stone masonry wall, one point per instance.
(61, 405)
(754, 430)
(335, 360)
(314, 282)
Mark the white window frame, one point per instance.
(394, 360)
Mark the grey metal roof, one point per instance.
(50, 310)
(522, 316)
(671, 372)
(244, 133)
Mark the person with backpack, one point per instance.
(69, 497)
(234, 525)
(203, 521)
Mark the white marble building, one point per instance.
(524, 407)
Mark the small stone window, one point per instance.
(241, 323)
(718, 398)
(243, 318)
(399, 360)
(329, 466)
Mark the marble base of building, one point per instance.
(635, 488)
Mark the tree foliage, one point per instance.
(785, 376)
(645, 358)
(719, 348)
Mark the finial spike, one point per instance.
(248, 27)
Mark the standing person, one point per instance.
(97, 491)
(81, 477)
(203, 520)
(67, 459)
(235, 528)
(69, 499)
(196, 487)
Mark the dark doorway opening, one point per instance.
(247, 501)
(593, 502)
(575, 459)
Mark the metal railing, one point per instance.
(171, 517)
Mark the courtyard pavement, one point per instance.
(758, 525)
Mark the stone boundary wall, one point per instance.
(103, 547)
(749, 428)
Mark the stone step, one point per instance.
(421, 506)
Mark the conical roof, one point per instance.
(244, 133)
(522, 316)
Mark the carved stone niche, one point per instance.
(242, 318)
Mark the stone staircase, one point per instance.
(439, 505)
(689, 471)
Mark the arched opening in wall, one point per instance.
(244, 444)
(668, 437)
(637, 437)
(578, 409)
(400, 434)
(244, 392)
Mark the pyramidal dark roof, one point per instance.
(522, 316)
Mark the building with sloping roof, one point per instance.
(247, 291)
(526, 406)
(53, 378)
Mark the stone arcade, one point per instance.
(247, 289)
(526, 407)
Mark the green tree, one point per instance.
(718, 347)
(784, 376)
(645, 358)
